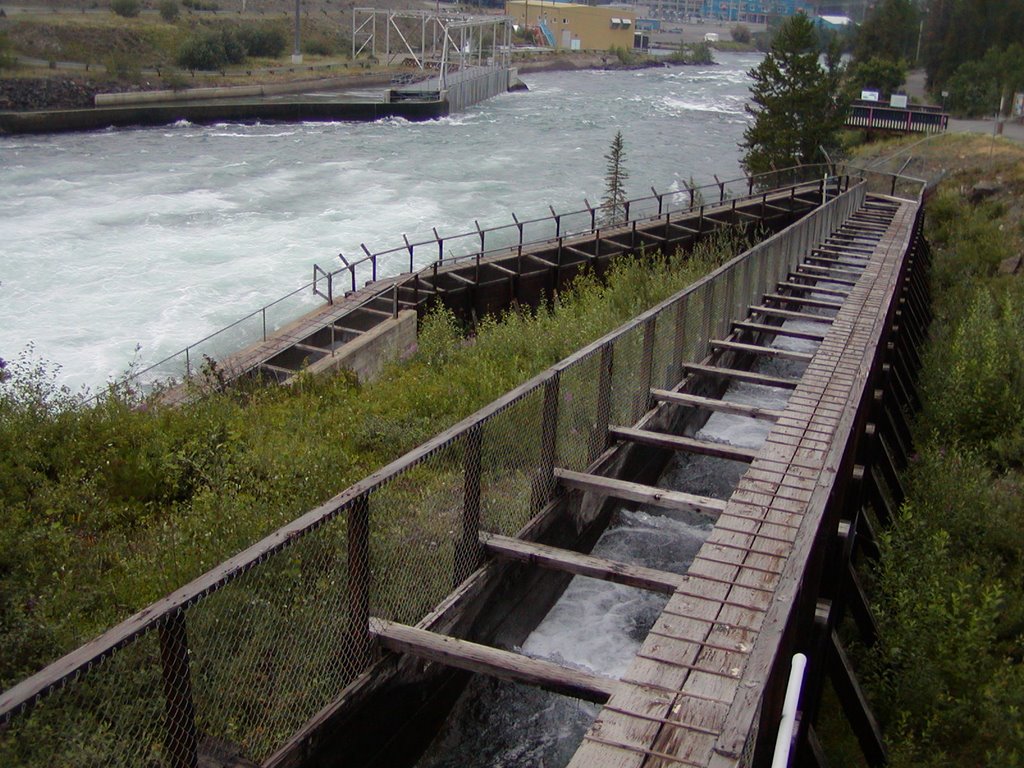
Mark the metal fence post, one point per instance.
(359, 578)
(643, 395)
(180, 737)
(599, 440)
(467, 549)
(544, 482)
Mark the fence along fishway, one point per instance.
(239, 660)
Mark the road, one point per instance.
(1012, 128)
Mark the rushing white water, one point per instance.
(159, 236)
(598, 626)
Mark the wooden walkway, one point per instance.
(693, 693)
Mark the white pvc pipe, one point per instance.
(784, 741)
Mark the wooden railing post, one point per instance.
(544, 482)
(679, 341)
(359, 578)
(599, 440)
(180, 737)
(643, 394)
(467, 549)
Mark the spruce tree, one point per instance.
(613, 204)
(798, 107)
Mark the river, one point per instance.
(129, 244)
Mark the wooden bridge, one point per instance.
(323, 641)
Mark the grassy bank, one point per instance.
(946, 678)
(105, 509)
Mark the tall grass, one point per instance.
(106, 508)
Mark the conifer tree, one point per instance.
(798, 107)
(613, 204)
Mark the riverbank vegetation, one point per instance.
(107, 508)
(946, 678)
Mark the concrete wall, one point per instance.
(591, 25)
(53, 121)
(472, 90)
(367, 355)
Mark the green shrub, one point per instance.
(211, 50)
(318, 46)
(947, 678)
(692, 53)
(169, 10)
(262, 41)
(741, 34)
(126, 8)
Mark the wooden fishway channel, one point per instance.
(523, 275)
(320, 645)
(775, 575)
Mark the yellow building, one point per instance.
(571, 26)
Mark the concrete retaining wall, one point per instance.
(473, 90)
(367, 355)
(55, 121)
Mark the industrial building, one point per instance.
(754, 11)
(576, 27)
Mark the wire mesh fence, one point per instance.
(232, 665)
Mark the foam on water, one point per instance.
(595, 625)
(159, 236)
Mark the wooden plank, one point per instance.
(789, 314)
(747, 376)
(645, 494)
(760, 349)
(579, 564)
(778, 330)
(791, 286)
(828, 270)
(720, 406)
(822, 278)
(688, 444)
(806, 301)
(473, 657)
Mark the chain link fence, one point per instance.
(230, 667)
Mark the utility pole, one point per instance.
(297, 52)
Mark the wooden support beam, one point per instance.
(778, 330)
(813, 269)
(720, 406)
(860, 608)
(276, 369)
(760, 349)
(791, 286)
(645, 494)
(747, 376)
(311, 348)
(788, 314)
(462, 654)
(839, 261)
(855, 705)
(822, 278)
(806, 301)
(688, 444)
(579, 564)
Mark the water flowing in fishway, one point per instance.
(598, 626)
(157, 237)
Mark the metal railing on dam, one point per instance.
(402, 264)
